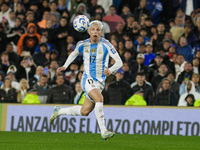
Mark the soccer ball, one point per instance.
(81, 23)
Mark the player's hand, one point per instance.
(60, 69)
(107, 72)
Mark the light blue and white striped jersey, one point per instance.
(96, 58)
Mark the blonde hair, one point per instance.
(96, 23)
(22, 80)
(19, 94)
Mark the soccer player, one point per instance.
(96, 51)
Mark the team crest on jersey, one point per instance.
(93, 50)
(86, 51)
(100, 51)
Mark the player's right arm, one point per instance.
(72, 56)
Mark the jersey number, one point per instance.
(92, 59)
(90, 81)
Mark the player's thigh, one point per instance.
(96, 95)
(87, 107)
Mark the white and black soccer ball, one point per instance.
(81, 23)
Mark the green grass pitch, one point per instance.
(86, 141)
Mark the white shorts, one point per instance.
(88, 84)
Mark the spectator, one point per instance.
(191, 38)
(130, 47)
(4, 14)
(137, 99)
(165, 45)
(141, 10)
(187, 6)
(99, 10)
(105, 4)
(132, 4)
(61, 93)
(153, 67)
(174, 85)
(190, 100)
(5, 63)
(80, 9)
(156, 8)
(195, 64)
(48, 32)
(15, 32)
(139, 65)
(119, 90)
(53, 55)
(195, 80)
(11, 19)
(143, 33)
(149, 55)
(14, 83)
(36, 78)
(53, 10)
(139, 84)
(42, 88)
(196, 30)
(60, 34)
(7, 93)
(125, 12)
(168, 35)
(45, 17)
(172, 51)
(24, 86)
(13, 57)
(29, 19)
(161, 33)
(190, 89)
(62, 6)
(162, 73)
(52, 70)
(129, 24)
(179, 65)
(119, 31)
(19, 9)
(178, 29)
(44, 7)
(71, 75)
(80, 94)
(26, 68)
(31, 97)
(186, 75)
(92, 8)
(185, 49)
(112, 18)
(28, 41)
(120, 48)
(139, 40)
(127, 57)
(165, 96)
(44, 39)
(74, 5)
(166, 61)
(34, 8)
(40, 57)
(128, 76)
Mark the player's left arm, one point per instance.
(118, 62)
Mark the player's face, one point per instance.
(95, 34)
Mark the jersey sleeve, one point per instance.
(114, 54)
(74, 54)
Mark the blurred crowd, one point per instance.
(158, 41)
